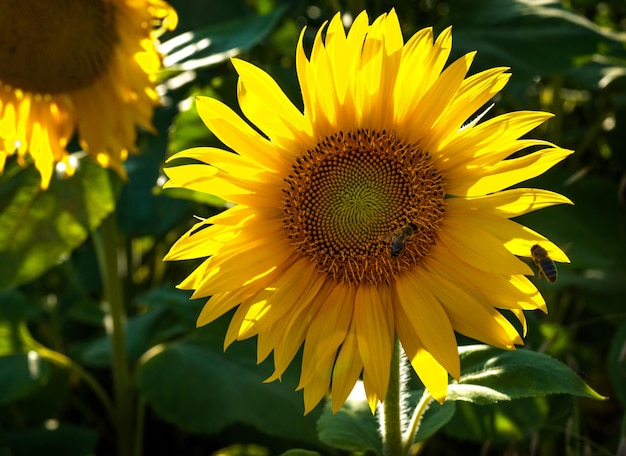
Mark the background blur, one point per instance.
(566, 57)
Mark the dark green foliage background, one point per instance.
(566, 57)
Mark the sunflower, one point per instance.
(85, 65)
(378, 212)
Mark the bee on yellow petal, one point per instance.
(546, 266)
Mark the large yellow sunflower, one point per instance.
(85, 65)
(378, 212)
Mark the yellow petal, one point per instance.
(295, 329)
(196, 243)
(491, 141)
(218, 305)
(408, 90)
(373, 322)
(432, 374)
(506, 173)
(510, 203)
(239, 136)
(287, 291)
(515, 237)
(225, 161)
(328, 330)
(226, 273)
(469, 316)
(370, 393)
(421, 120)
(501, 291)
(473, 93)
(427, 317)
(479, 248)
(259, 94)
(347, 369)
(316, 389)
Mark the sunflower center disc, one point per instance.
(51, 47)
(364, 205)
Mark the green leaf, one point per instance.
(196, 386)
(38, 229)
(140, 331)
(533, 37)
(353, 428)
(217, 43)
(595, 75)
(14, 335)
(490, 375)
(165, 313)
(22, 370)
(21, 374)
(502, 421)
(299, 452)
(436, 416)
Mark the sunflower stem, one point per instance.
(105, 243)
(392, 407)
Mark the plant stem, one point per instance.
(63, 361)
(140, 420)
(392, 408)
(414, 425)
(106, 250)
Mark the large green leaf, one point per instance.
(21, 374)
(501, 421)
(164, 313)
(216, 43)
(534, 37)
(436, 416)
(353, 428)
(193, 384)
(38, 228)
(300, 452)
(490, 375)
(141, 331)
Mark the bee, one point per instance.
(399, 240)
(546, 266)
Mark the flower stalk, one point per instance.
(61, 360)
(393, 408)
(115, 322)
(416, 419)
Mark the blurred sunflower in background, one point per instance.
(85, 66)
(378, 212)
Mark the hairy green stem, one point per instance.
(115, 313)
(416, 419)
(392, 407)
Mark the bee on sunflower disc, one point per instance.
(546, 266)
(399, 240)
